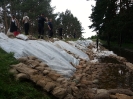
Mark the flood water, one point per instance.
(116, 77)
(123, 53)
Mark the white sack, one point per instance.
(22, 36)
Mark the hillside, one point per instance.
(70, 70)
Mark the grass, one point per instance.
(115, 45)
(12, 89)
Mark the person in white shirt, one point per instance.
(26, 24)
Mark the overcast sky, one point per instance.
(80, 9)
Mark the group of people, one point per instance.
(14, 25)
(41, 20)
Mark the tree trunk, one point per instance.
(5, 17)
(120, 37)
(108, 40)
(120, 42)
(97, 41)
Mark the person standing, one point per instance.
(41, 20)
(50, 28)
(26, 24)
(14, 25)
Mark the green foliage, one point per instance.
(70, 24)
(114, 44)
(113, 20)
(33, 8)
(12, 89)
(94, 37)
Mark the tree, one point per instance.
(70, 24)
(111, 19)
(32, 7)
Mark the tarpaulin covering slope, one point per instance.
(81, 44)
(55, 57)
(72, 49)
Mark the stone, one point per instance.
(129, 65)
(23, 59)
(69, 96)
(36, 78)
(122, 96)
(33, 63)
(38, 60)
(81, 85)
(91, 95)
(41, 82)
(60, 79)
(79, 66)
(101, 91)
(73, 83)
(95, 81)
(47, 68)
(81, 62)
(25, 69)
(43, 64)
(45, 72)
(120, 91)
(50, 86)
(74, 89)
(53, 75)
(40, 68)
(16, 65)
(102, 96)
(13, 71)
(22, 76)
(85, 82)
(29, 61)
(59, 92)
(32, 57)
(113, 97)
(78, 77)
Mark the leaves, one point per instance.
(70, 24)
(111, 18)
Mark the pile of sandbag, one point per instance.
(37, 71)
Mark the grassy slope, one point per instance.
(12, 89)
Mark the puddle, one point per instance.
(108, 60)
(116, 77)
(123, 53)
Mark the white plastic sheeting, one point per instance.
(72, 49)
(81, 44)
(55, 57)
(84, 43)
(53, 54)
(77, 45)
(102, 53)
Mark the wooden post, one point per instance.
(97, 41)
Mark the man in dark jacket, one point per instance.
(41, 20)
(50, 27)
